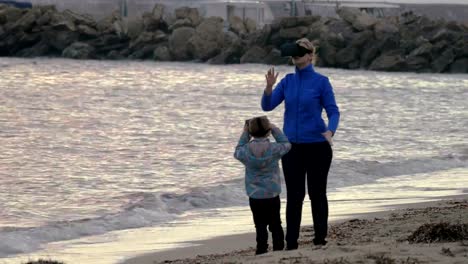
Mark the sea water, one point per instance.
(102, 160)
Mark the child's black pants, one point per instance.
(266, 213)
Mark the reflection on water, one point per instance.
(84, 139)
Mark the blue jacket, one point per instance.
(306, 93)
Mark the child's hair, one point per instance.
(259, 126)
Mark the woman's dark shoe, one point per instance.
(261, 251)
(319, 242)
(292, 246)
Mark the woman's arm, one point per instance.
(272, 98)
(328, 102)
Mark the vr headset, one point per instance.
(293, 50)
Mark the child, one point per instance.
(262, 178)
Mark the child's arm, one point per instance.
(282, 145)
(240, 152)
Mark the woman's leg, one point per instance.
(294, 176)
(320, 157)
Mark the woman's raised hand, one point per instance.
(271, 78)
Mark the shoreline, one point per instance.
(241, 246)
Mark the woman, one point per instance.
(305, 93)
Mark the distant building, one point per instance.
(448, 9)
(264, 11)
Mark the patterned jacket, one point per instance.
(260, 157)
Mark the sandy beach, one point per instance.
(431, 232)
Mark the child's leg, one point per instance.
(260, 219)
(275, 223)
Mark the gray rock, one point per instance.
(250, 25)
(27, 21)
(423, 50)
(190, 13)
(60, 40)
(203, 49)
(287, 22)
(417, 63)
(361, 38)
(294, 33)
(383, 28)
(10, 14)
(79, 50)
(347, 55)
(211, 29)
(208, 39)
(80, 19)
(134, 27)
(441, 63)
(180, 23)
(162, 53)
(255, 54)
(236, 25)
(158, 11)
(178, 43)
(274, 58)
(388, 63)
(147, 38)
(41, 48)
(459, 66)
(149, 22)
(87, 31)
(359, 20)
(327, 54)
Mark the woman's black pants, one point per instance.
(266, 213)
(313, 160)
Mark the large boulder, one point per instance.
(10, 14)
(424, 50)
(255, 54)
(294, 33)
(162, 53)
(147, 38)
(27, 21)
(158, 11)
(134, 27)
(346, 56)
(250, 25)
(60, 40)
(80, 19)
(274, 58)
(327, 54)
(388, 63)
(441, 63)
(359, 20)
(417, 63)
(295, 21)
(384, 28)
(79, 50)
(191, 14)
(208, 38)
(361, 38)
(459, 66)
(180, 23)
(41, 48)
(236, 25)
(179, 45)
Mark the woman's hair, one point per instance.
(307, 44)
(259, 126)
